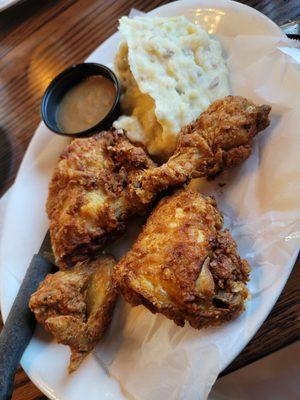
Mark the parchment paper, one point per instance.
(150, 356)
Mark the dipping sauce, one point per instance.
(86, 104)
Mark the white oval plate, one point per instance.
(4, 4)
(44, 361)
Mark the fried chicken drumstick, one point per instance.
(183, 265)
(77, 305)
(102, 180)
(221, 138)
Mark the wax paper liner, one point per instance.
(151, 357)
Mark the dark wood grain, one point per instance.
(40, 38)
(281, 328)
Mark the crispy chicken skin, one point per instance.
(102, 180)
(77, 305)
(88, 199)
(221, 138)
(183, 265)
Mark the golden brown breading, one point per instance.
(219, 139)
(102, 180)
(77, 305)
(183, 266)
(88, 201)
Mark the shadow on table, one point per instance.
(274, 377)
(6, 158)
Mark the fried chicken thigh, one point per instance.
(88, 200)
(102, 180)
(77, 305)
(184, 265)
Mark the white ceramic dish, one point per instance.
(44, 361)
(4, 4)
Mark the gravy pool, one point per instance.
(86, 104)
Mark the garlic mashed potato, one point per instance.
(171, 70)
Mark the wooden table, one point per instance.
(40, 38)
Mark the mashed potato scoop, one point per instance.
(171, 70)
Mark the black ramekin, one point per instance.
(64, 82)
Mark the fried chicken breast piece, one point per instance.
(88, 201)
(77, 305)
(102, 180)
(221, 138)
(184, 265)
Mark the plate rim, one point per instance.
(8, 3)
(41, 384)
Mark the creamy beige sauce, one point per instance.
(86, 104)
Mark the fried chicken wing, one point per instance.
(102, 180)
(183, 265)
(77, 305)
